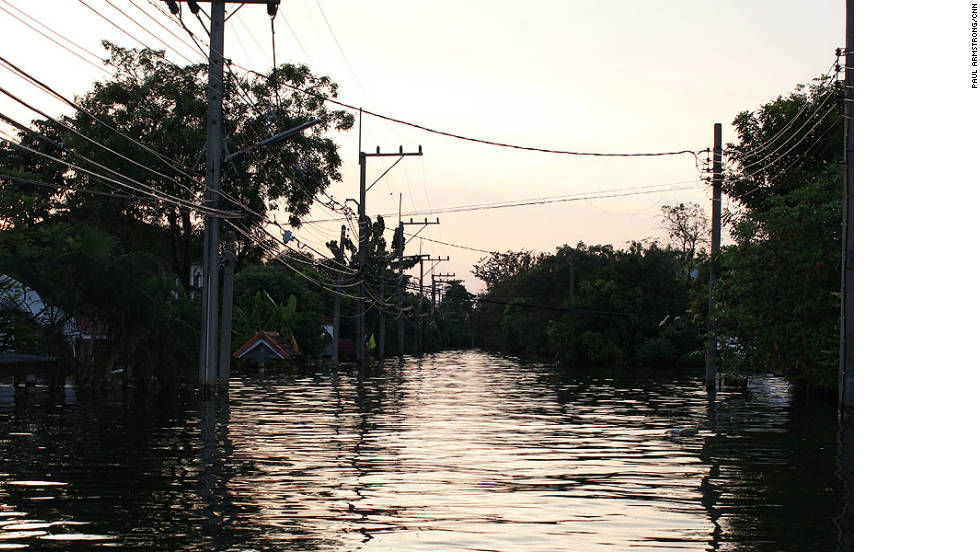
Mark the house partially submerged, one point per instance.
(266, 346)
(80, 333)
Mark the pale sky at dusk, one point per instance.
(635, 76)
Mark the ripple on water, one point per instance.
(77, 537)
(35, 484)
(456, 451)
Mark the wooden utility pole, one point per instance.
(208, 375)
(364, 226)
(710, 365)
(846, 372)
(335, 346)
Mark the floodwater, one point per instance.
(454, 451)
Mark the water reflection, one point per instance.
(455, 451)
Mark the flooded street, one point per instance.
(456, 451)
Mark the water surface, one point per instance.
(454, 451)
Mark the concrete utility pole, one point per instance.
(209, 370)
(364, 226)
(401, 282)
(224, 362)
(710, 366)
(433, 295)
(335, 346)
(209, 292)
(418, 322)
(381, 312)
(846, 382)
(418, 311)
(441, 279)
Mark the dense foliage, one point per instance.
(86, 274)
(153, 102)
(778, 293)
(586, 305)
(118, 255)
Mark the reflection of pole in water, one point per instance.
(216, 449)
(362, 429)
(710, 493)
(844, 470)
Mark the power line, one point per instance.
(171, 163)
(137, 187)
(90, 140)
(791, 165)
(69, 50)
(789, 124)
(788, 150)
(542, 201)
(471, 139)
(20, 179)
(744, 166)
(181, 39)
(147, 31)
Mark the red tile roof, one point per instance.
(272, 340)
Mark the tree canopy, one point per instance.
(147, 124)
(778, 302)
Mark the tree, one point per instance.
(499, 266)
(87, 273)
(687, 227)
(163, 105)
(778, 302)
(270, 297)
(613, 317)
(784, 143)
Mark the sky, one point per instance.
(649, 76)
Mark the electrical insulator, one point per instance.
(173, 7)
(193, 6)
(272, 7)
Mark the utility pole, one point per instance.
(224, 362)
(209, 370)
(418, 320)
(364, 226)
(846, 375)
(209, 294)
(335, 346)
(433, 295)
(439, 278)
(418, 311)
(381, 312)
(710, 366)
(401, 282)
